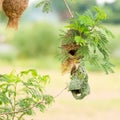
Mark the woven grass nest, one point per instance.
(70, 51)
(70, 64)
(79, 86)
(70, 48)
(13, 10)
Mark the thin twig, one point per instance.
(69, 10)
(19, 118)
(14, 101)
(23, 110)
(61, 92)
(31, 107)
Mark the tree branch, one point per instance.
(69, 10)
(23, 110)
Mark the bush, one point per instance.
(21, 93)
(36, 39)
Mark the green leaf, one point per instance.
(107, 32)
(41, 107)
(4, 98)
(48, 99)
(26, 72)
(94, 59)
(3, 80)
(46, 5)
(45, 79)
(108, 67)
(86, 20)
(29, 112)
(100, 15)
(40, 4)
(79, 40)
(25, 103)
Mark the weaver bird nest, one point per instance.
(13, 10)
(79, 79)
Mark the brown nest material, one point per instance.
(13, 10)
(71, 48)
(71, 63)
(1, 4)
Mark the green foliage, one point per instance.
(46, 5)
(8, 56)
(21, 93)
(113, 10)
(92, 37)
(36, 40)
(3, 18)
(81, 6)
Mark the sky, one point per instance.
(99, 1)
(103, 1)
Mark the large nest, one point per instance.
(13, 10)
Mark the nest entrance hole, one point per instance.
(72, 52)
(76, 93)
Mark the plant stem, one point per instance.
(14, 100)
(21, 116)
(61, 92)
(69, 10)
(23, 110)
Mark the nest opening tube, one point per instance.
(13, 23)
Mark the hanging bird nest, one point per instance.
(72, 60)
(69, 51)
(79, 86)
(85, 41)
(13, 10)
(70, 65)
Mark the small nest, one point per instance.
(13, 10)
(72, 47)
(70, 65)
(79, 86)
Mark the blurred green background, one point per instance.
(38, 34)
(36, 45)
